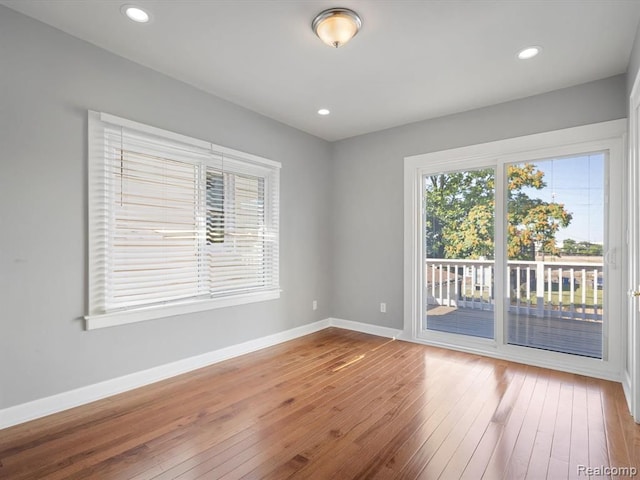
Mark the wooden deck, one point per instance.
(338, 405)
(578, 337)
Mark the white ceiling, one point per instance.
(412, 60)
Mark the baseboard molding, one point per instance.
(365, 328)
(80, 396)
(626, 388)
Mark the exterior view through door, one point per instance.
(515, 249)
(555, 223)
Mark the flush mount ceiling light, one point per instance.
(324, 111)
(135, 13)
(529, 52)
(336, 26)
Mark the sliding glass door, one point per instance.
(458, 262)
(551, 260)
(555, 247)
(516, 249)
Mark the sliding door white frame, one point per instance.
(603, 137)
(631, 377)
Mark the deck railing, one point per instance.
(538, 288)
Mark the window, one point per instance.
(176, 224)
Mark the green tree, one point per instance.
(449, 197)
(460, 215)
(594, 250)
(571, 247)
(474, 236)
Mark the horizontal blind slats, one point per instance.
(173, 221)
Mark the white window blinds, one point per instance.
(176, 221)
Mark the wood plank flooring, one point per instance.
(338, 405)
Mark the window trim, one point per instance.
(175, 308)
(101, 319)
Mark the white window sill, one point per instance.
(124, 317)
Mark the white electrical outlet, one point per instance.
(314, 305)
(383, 307)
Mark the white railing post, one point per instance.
(583, 287)
(481, 287)
(433, 283)
(518, 288)
(560, 290)
(455, 287)
(572, 293)
(440, 284)
(490, 269)
(595, 292)
(539, 289)
(528, 284)
(473, 286)
(448, 285)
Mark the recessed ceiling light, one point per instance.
(529, 52)
(135, 13)
(323, 111)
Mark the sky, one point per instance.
(578, 183)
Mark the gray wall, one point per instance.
(367, 243)
(48, 81)
(634, 63)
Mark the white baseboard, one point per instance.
(83, 395)
(626, 387)
(365, 328)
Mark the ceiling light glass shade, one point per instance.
(336, 26)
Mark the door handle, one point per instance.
(634, 293)
(610, 258)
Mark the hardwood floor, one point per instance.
(338, 405)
